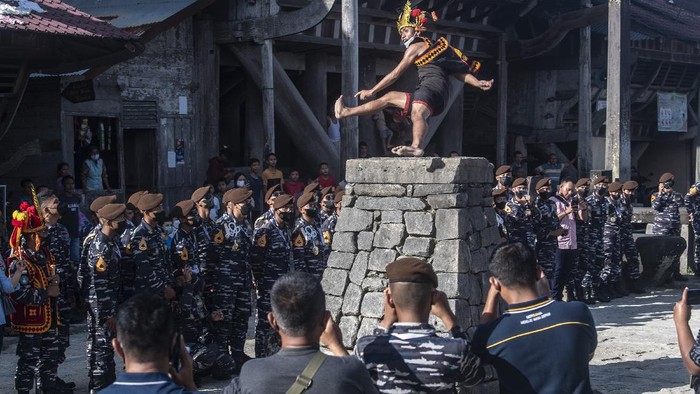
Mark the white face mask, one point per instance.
(409, 41)
(95, 157)
(240, 183)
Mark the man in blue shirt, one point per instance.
(145, 338)
(538, 345)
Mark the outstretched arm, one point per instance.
(409, 57)
(477, 83)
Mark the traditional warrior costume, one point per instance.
(437, 62)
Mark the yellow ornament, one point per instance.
(143, 245)
(184, 254)
(101, 265)
(219, 237)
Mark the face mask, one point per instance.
(196, 220)
(287, 217)
(121, 227)
(409, 41)
(505, 181)
(584, 192)
(240, 183)
(245, 209)
(668, 185)
(160, 217)
(520, 193)
(312, 212)
(95, 156)
(501, 204)
(614, 196)
(601, 191)
(544, 195)
(168, 229)
(328, 204)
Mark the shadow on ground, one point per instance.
(636, 377)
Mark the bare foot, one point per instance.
(403, 150)
(339, 107)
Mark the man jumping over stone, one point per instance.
(436, 61)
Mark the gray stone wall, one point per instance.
(438, 209)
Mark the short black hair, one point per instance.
(515, 265)
(253, 161)
(566, 180)
(362, 143)
(269, 155)
(145, 327)
(323, 163)
(60, 165)
(66, 179)
(517, 152)
(298, 303)
(24, 182)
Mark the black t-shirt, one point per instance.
(277, 373)
(71, 219)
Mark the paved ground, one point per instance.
(637, 351)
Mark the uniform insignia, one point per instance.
(507, 209)
(693, 191)
(653, 197)
(327, 237)
(143, 245)
(219, 237)
(299, 241)
(315, 250)
(235, 246)
(101, 265)
(262, 241)
(184, 255)
(128, 248)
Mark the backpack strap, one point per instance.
(305, 379)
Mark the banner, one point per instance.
(672, 112)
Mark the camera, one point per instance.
(574, 202)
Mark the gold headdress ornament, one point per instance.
(415, 18)
(27, 220)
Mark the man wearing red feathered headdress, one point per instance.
(436, 62)
(36, 316)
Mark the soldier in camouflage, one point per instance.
(504, 178)
(408, 356)
(628, 247)
(692, 204)
(500, 199)
(598, 213)
(327, 206)
(152, 264)
(271, 257)
(59, 246)
(95, 206)
(547, 225)
(126, 265)
(520, 215)
(36, 316)
(328, 226)
(666, 202)
(611, 273)
(104, 253)
(307, 238)
(579, 268)
(230, 280)
(268, 215)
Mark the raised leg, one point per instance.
(391, 99)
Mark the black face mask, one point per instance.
(160, 217)
(501, 204)
(287, 217)
(196, 219)
(668, 185)
(505, 181)
(544, 195)
(520, 193)
(328, 204)
(312, 212)
(245, 209)
(601, 191)
(584, 192)
(121, 227)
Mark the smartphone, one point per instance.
(175, 357)
(693, 297)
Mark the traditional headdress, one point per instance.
(26, 220)
(415, 18)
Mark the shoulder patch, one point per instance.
(653, 197)
(327, 237)
(507, 209)
(219, 237)
(299, 240)
(101, 265)
(262, 241)
(184, 254)
(143, 245)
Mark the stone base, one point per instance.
(659, 254)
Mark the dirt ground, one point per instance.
(637, 349)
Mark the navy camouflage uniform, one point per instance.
(668, 219)
(520, 221)
(598, 212)
(692, 203)
(82, 265)
(271, 257)
(264, 218)
(229, 284)
(38, 352)
(328, 230)
(104, 286)
(309, 248)
(546, 248)
(59, 245)
(612, 243)
(578, 271)
(126, 264)
(628, 247)
(153, 267)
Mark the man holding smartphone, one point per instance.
(667, 221)
(567, 246)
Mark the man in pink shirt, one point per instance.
(567, 249)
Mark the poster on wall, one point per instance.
(180, 151)
(672, 112)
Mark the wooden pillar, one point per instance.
(367, 132)
(696, 146)
(206, 98)
(268, 96)
(585, 132)
(617, 136)
(315, 87)
(254, 138)
(502, 120)
(349, 138)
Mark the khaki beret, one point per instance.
(101, 201)
(412, 270)
(305, 199)
(271, 190)
(338, 197)
(630, 185)
(600, 179)
(114, 212)
(237, 195)
(502, 170)
(134, 199)
(615, 187)
(150, 201)
(181, 209)
(543, 182)
(282, 201)
(519, 182)
(667, 176)
(311, 187)
(498, 192)
(583, 182)
(200, 193)
(327, 190)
